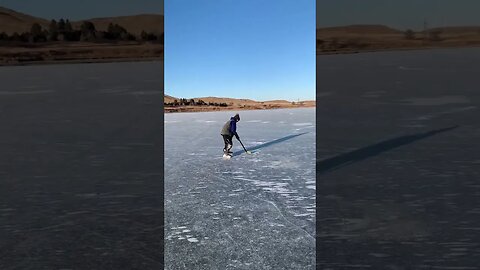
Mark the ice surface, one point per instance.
(81, 166)
(404, 141)
(254, 211)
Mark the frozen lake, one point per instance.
(398, 160)
(251, 212)
(81, 166)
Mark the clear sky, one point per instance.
(401, 14)
(84, 9)
(256, 49)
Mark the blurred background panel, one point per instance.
(81, 164)
(397, 158)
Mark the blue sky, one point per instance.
(401, 14)
(256, 49)
(84, 9)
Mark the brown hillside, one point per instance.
(233, 101)
(226, 100)
(358, 38)
(277, 101)
(169, 99)
(234, 104)
(12, 21)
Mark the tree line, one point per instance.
(192, 102)
(431, 35)
(63, 31)
(335, 43)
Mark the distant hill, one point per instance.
(234, 101)
(12, 21)
(169, 99)
(231, 104)
(278, 101)
(368, 38)
(226, 100)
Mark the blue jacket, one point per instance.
(230, 127)
(233, 126)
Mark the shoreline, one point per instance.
(393, 49)
(161, 58)
(80, 52)
(82, 61)
(218, 109)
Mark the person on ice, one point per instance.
(228, 131)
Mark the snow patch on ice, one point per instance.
(302, 124)
(181, 233)
(192, 240)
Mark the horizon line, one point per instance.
(239, 98)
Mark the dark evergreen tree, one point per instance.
(36, 29)
(68, 26)
(117, 32)
(53, 31)
(61, 25)
(87, 27)
(36, 34)
(87, 30)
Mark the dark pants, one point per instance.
(227, 139)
